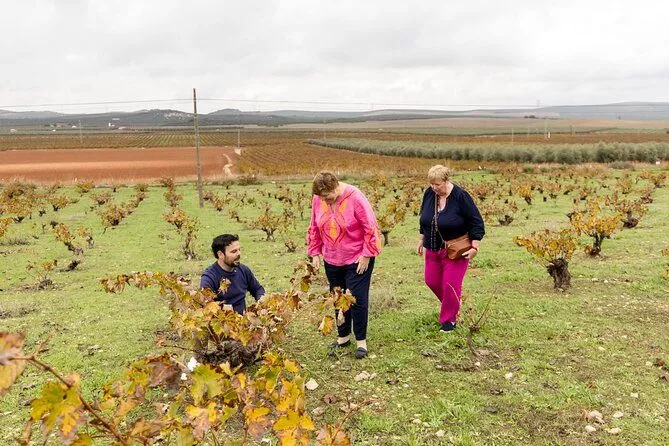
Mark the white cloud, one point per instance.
(372, 52)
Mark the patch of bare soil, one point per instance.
(114, 166)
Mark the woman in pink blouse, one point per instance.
(344, 230)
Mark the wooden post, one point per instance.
(197, 151)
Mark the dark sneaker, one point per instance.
(360, 353)
(332, 349)
(447, 326)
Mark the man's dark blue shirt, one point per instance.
(241, 280)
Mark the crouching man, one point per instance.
(228, 254)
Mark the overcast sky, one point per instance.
(351, 55)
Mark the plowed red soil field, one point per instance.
(114, 165)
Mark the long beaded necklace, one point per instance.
(435, 223)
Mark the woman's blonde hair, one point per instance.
(324, 183)
(438, 172)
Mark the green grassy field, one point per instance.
(543, 357)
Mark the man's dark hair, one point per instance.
(222, 241)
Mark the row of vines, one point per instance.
(601, 152)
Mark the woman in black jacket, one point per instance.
(448, 213)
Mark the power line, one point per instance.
(368, 103)
(65, 104)
(265, 101)
(343, 103)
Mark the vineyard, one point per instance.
(562, 337)
(266, 154)
(260, 138)
(297, 153)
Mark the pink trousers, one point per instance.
(444, 277)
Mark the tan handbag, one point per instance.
(455, 247)
(458, 246)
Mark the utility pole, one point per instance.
(197, 151)
(81, 137)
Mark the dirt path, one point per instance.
(114, 165)
(227, 169)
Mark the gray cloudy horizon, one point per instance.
(351, 55)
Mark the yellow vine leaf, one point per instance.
(293, 420)
(202, 419)
(241, 379)
(292, 395)
(293, 427)
(291, 366)
(305, 284)
(11, 346)
(327, 325)
(144, 430)
(332, 436)
(59, 405)
(257, 422)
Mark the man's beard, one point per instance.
(234, 263)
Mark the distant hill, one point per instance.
(6, 114)
(625, 110)
(232, 117)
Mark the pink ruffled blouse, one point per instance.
(344, 231)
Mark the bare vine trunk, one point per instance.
(385, 237)
(559, 271)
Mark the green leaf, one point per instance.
(58, 405)
(207, 381)
(83, 440)
(185, 437)
(305, 283)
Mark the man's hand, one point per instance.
(363, 263)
